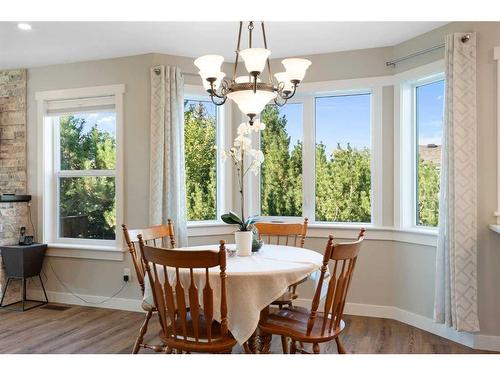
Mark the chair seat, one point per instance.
(292, 322)
(217, 344)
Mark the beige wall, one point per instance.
(389, 273)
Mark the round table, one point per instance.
(253, 282)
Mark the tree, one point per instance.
(200, 130)
(281, 173)
(343, 184)
(428, 193)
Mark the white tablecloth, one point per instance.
(252, 282)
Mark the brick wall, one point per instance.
(12, 152)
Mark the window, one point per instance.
(80, 163)
(343, 158)
(200, 141)
(85, 171)
(429, 108)
(281, 173)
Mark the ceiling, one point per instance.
(64, 42)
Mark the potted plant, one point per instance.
(242, 148)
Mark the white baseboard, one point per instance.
(116, 303)
(472, 340)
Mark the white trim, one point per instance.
(376, 156)
(404, 141)
(80, 93)
(223, 141)
(47, 164)
(80, 251)
(116, 303)
(424, 237)
(355, 84)
(472, 340)
(496, 56)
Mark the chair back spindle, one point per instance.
(158, 235)
(343, 257)
(184, 320)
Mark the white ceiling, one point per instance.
(63, 42)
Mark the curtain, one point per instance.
(455, 301)
(167, 197)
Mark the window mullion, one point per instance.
(308, 159)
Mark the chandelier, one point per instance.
(250, 92)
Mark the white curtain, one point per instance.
(167, 197)
(456, 260)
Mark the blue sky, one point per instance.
(339, 119)
(106, 121)
(430, 105)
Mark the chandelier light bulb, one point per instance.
(209, 65)
(296, 68)
(255, 59)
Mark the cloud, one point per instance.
(106, 120)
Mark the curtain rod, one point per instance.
(393, 63)
(158, 71)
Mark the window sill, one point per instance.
(494, 227)
(419, 236)
(79, 251)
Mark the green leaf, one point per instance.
(226, 218)
(235, 217)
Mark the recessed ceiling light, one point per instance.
(24, 26)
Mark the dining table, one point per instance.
(252, 283)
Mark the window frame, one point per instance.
(87, 99)
(307, 95)
(405, 138)
(223, 141)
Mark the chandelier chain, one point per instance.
(237, 53)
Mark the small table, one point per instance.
(23, 262)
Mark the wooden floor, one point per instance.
(78, 329)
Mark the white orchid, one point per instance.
(257, 126)
(243, 142)
(242, 146)
(244, 128)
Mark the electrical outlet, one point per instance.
(126, 274)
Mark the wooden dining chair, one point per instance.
(313, 326)
(289, 234)
(190, 329)
(159, 235)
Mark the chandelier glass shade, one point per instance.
(251, 92)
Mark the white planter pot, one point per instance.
(243, 242)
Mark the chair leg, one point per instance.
(316, 348)
(293, 347)
(340, 347)
(142, 332)
(284, 344)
